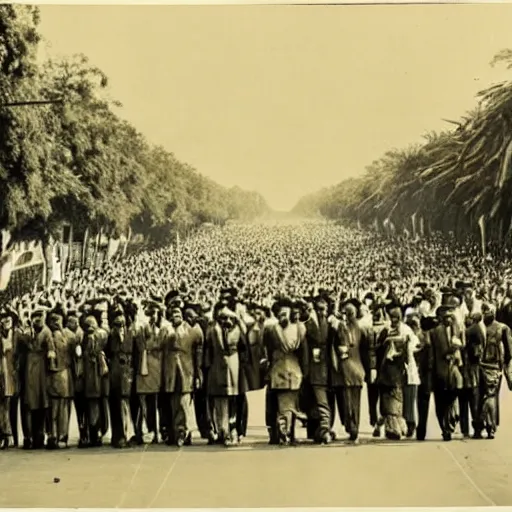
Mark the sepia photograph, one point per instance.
(255, 256)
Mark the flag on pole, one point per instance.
(481, 225)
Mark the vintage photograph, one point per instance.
(255, 256)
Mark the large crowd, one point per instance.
(314, 313)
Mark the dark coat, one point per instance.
(355, 369)
(446, 374)
(252, 368)
(424, 357)
(120, 351)
(472, 355)
(96, 380)
(317, 342)
(78, 362)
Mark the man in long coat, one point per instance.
(9, 389)
(96, 380)
(120, 348)
(60, 380)
(183, 361)
(318, 331)
(151, 341)
(287, 353)
(193, 315)
(446, 341)
(35, 386)
(356, 354)
(79, 400)
(225, 350)
(471, 352)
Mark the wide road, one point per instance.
(376, 473)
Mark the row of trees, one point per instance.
(456, 180)
(75, 161)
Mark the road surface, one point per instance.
(376, 473)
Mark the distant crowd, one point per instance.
(314, 313)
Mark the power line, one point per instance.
(30, 103)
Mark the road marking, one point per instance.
(164, 482)
(468, 478)
(134, 476)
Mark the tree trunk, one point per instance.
(47, 244)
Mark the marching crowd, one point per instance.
(313, 313)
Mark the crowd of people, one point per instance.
(311, 312)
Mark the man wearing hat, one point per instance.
(150, 344)
(447, 342)
(35, 385)
(287, 352)
(183, 362)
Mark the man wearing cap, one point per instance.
(96, 383)
(182, 375)
(119, 351)
(225, 354)
(36, 346)
(496, 357)
(287, 353)
(150, 344)
(447, 342)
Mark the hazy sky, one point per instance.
(286, 99)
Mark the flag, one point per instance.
(481, 225)
(413, 222)
(422, 226)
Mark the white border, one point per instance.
(255, 2)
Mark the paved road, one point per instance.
(376, 473)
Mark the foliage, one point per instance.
(76, 161)
(450, 180)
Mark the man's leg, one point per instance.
(323, 413)
(13, 418)
(423, 408)
(352, 410)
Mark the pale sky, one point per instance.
(286, 99)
